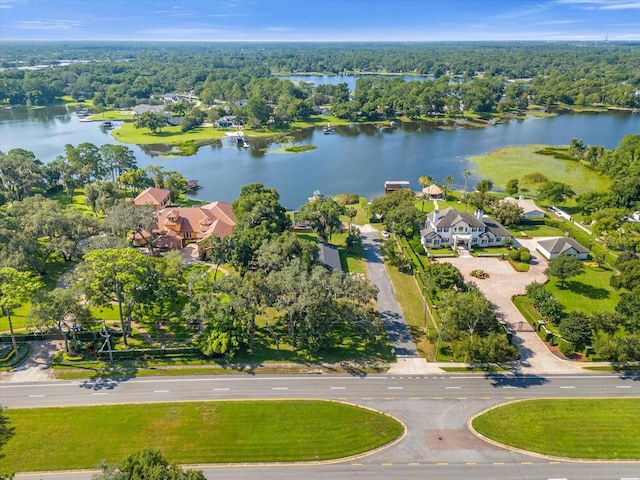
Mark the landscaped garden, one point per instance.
(194, 432)
(576, 428)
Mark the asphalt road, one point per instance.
(435, 409)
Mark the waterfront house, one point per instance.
(157, 197)
(451, 228)
(394, 185)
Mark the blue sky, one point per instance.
(319, 20)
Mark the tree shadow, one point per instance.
(398, 332)
(109, 378)
(7, 431)
(586, 290)
(515, 380)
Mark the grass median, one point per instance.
(605, 429)
(194, 432)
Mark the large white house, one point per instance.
(454, 229)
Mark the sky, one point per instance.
(320, 20)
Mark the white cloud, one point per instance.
(49, 24)
(603, 4)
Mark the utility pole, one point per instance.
(104, 333)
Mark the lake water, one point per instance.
(357, 159)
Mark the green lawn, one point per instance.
(535, 229)
(589, 292)
(515, 162)
(194, 432)
(574, 428)
(128, 133)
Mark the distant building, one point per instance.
(433, 191)
(555, 247)
(394, 185)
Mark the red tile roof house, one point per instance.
(179, 226)
(157, 197)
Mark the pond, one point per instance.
(357, 159)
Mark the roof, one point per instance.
(451, 216)
(329, 256)
(432, 189)
(495, 227)
(213, 218)
(527, 205)
(562, 244)
(152, 196)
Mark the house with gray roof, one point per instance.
(555, 247)
(329, 256)
(453, 228)
(528, 206)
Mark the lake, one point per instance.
(357, 159)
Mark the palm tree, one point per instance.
(467, 174)
(425, 182)
(448, 182)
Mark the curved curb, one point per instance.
(536, 454)
(331, 461)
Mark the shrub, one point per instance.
(525, 256)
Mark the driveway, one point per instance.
(503, 283)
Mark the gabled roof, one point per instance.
(152, 196)
(496, 228)
(329, 256)
(527, 205)
(562, 244)
(449, 217)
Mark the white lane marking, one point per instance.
(220, 389)
(338, 388)
(36, 396)
(452, 388)
(509, 386)
(99, 393)
(629, 478)
(394, 388)
(623, 386)
(567, 386)
(280, 388)
(161, 391)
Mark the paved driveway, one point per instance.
(503, 283)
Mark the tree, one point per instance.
(513, 186)
(425, 181)
(62, 309)
(147, 464)
(20, 172)
(126, 218)
(629, 276)
(484, 186)
(324, 215)
(466, 173)
(555, 192)
(175, 182)
(152, 120)
(122, 276)
(16, 289)
(449, 181)
(629, 307)
(445, 276)
(117, 159)
(563, 267)
(507, 213)
(469, 313)
(576, 328)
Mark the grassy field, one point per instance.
(194, 432)
(128, 133)
(589, 292)
(574, 428)
(515, 162)
(412, 306)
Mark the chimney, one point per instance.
(479, 214)
(521, 197)
(436, 216)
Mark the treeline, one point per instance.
(123, 75)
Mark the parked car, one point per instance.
(385, 234)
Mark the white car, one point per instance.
(385, 234)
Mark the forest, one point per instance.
(478, 77)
